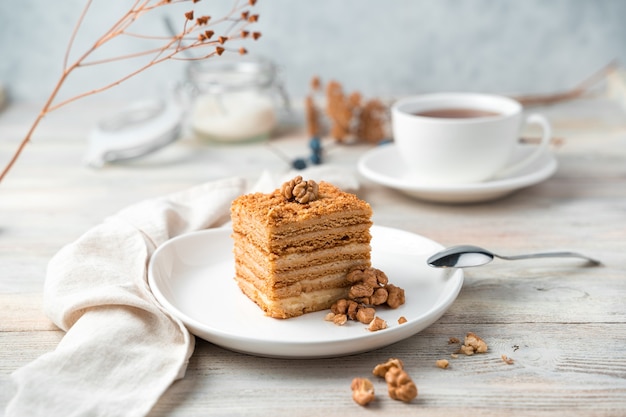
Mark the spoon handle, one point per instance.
(551, 255)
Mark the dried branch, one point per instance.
(171, 49)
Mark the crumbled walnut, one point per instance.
(402, 320)
(345, 306)
(396, 296)
(365, 315)
(329, 316)
(355, 275)
(382, 368)
(371, 276)
(348, 308)
(340, 319)
(400, 385)
(507, 360)
(370, 287)
(442, 363)
(467, 350)
(362, 391)
(473, 344)
(377, 324)
(453, 340)
(363, 300)
(379, 297)
(353, 308)
(340, 307)
(454, 355)
(360, 290)
(300, 191)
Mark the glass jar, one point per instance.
(235, 99)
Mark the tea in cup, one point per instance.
(455, 138)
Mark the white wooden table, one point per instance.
(564, 325)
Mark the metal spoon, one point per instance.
(464, 256)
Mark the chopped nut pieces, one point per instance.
(362, 391)
(507, 360)
(399, 384)
(366, 315)
(442, 363)
(377, 324)
(473, 344)
(402, 320)
(396, 296)
(453, 340)
(370, 288)
(370, 276)
(340, 319)
(300, 191)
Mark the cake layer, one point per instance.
(284, 308)
(335, 280)
(281, 279)
(318, 222)
(314, 234)
(273, 263)
(314, 278)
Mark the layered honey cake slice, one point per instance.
(294, 247)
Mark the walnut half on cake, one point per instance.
(294, 247)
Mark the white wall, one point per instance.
(380, 47)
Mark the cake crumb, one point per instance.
(507, 360)
(473, 344)
(442, 363)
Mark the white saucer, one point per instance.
(192, 277)
(384, 166)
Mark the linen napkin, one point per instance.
(121, 350)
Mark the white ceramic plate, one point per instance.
(384, 166)
(192, 277)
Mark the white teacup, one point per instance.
(451, 138)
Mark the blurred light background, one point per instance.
(381, 48)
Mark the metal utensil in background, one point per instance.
(464, 256)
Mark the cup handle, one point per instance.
(543, 145)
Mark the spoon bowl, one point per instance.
(465, 256)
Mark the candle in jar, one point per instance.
(234, 116)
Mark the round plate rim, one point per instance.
(295, 349)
